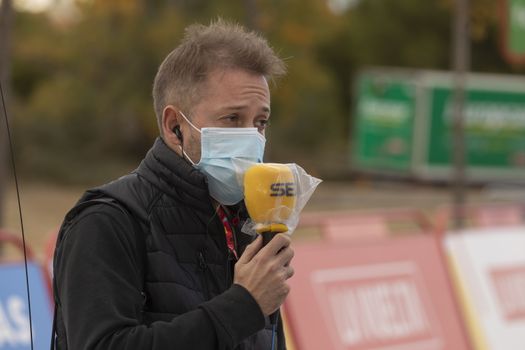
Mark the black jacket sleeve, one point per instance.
(99, 284)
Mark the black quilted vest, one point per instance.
(186, 257)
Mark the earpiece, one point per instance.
(176, 131)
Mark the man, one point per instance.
(156, 259)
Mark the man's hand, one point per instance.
(263, 271)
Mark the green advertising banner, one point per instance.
(494, 128)
(513, 27)
(403, 125)
(517, 27)
(383, 126)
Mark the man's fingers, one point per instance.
(251, 250)
(280, 241)
(285, 256)
(289, 271)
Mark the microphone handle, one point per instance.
(267, 237)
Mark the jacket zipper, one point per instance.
(229, 268)
(203, 267)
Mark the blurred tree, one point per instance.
(485, 37)
(251, 14)
(306, 113)
(403, 33)
(82, 88)
(408, 34)
(96, 107)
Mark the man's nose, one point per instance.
(248, 124)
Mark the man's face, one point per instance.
(231, 98)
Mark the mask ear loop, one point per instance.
(184, 154)
(191, 124)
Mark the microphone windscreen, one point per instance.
(270, 192)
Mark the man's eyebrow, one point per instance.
(240, 107)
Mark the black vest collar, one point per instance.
(174, 176)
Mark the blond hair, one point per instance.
(203, 49)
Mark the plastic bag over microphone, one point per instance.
(274, 194)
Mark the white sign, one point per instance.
(490, 263)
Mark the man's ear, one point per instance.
(171, 132)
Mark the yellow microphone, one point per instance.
(270, 193)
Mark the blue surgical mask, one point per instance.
(226, 153)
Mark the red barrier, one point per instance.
(50, 251)
(358, 225)
(16, 241)
(393, 294)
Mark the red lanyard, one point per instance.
(228, 231)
